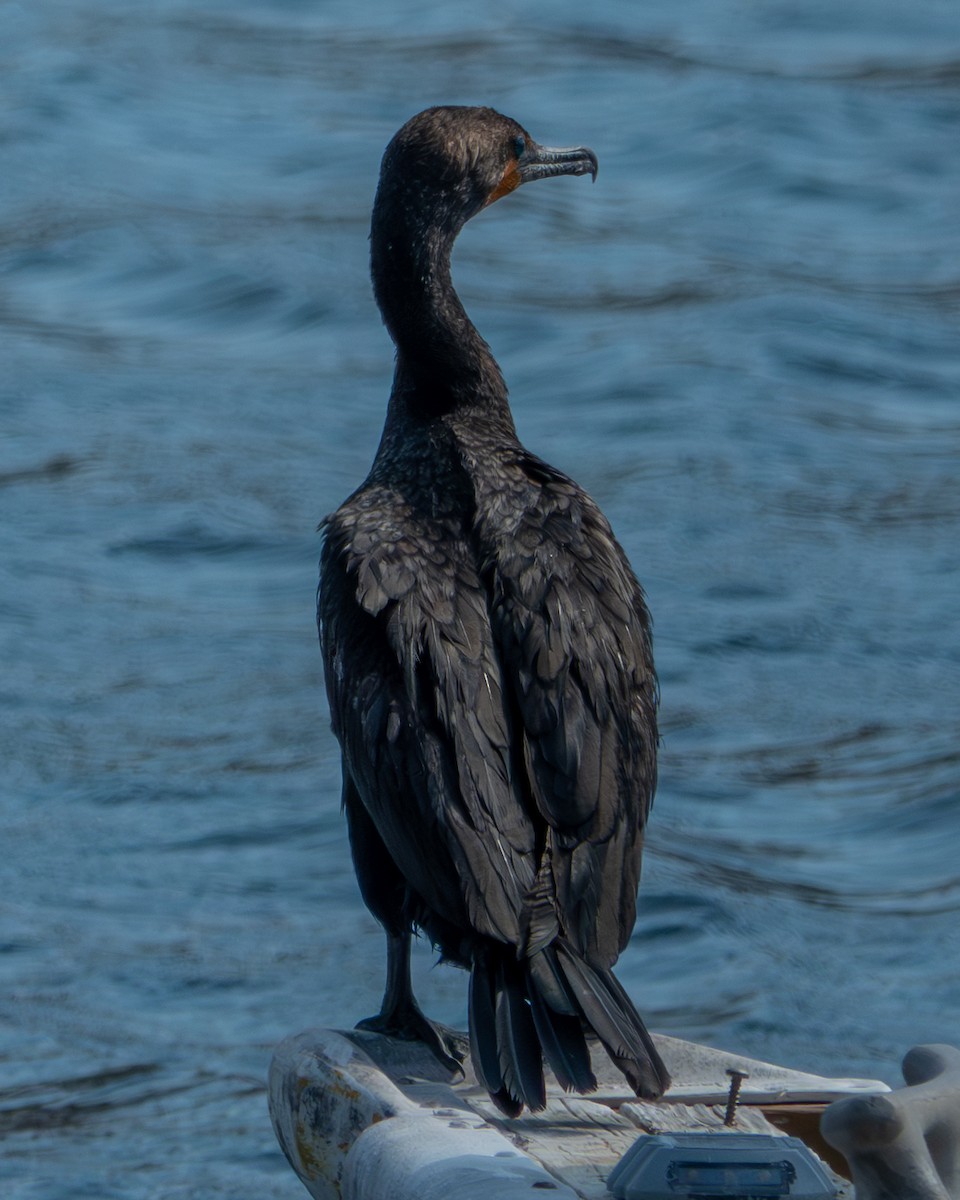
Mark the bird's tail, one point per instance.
(542, 1008)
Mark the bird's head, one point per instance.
(449, 162)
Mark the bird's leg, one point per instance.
(401, 1017)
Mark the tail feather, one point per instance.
(521, 1014)
(521, 1064)
(619, 992)
(483, 1026)
(603, 1016)
(563, 1043)
(551, 983)
(610, 1013)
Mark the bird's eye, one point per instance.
(519, 145)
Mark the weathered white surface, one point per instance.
(348, 1131)
(694, 1118)
(699, 1076)
(323, 1092)
(433, 1156)
(581, 1140)
(904, 1145)
(364, 1117)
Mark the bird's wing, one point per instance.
(416, 702)
(573, 634)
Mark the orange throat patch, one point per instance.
(510, 181)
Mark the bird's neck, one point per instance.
(443, 364)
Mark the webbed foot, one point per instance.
(448, 1046)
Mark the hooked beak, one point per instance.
(543, 162)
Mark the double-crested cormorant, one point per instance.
(488, 664)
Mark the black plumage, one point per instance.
(488, 664)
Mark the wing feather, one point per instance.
(573, 634)
(416, 700)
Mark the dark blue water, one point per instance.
(743, 340)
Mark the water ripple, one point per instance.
(742, 340)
